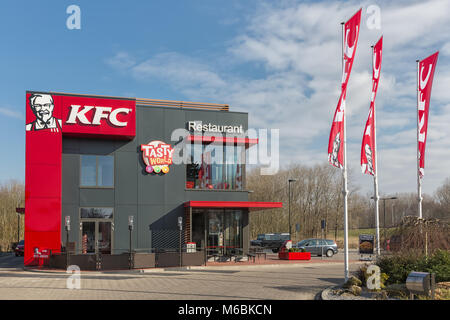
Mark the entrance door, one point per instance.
(96, 236)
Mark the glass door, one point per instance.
(104, 237)
(232, 227)
(215, 231)
(96, 236)
(88, 237)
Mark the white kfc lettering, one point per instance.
(421, 107)
(376, 71)
(80, 115)
(113, 117)
(423, 83)
(100, 113)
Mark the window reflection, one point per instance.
(97, 171)
(215, 167)
(88, 170)
(102, 213)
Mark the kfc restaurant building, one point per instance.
(96, 161)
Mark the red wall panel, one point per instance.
(46, 123)
(42, 183)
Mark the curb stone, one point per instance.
(185, 269)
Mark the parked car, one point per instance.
(19, 248)
(319, 246)
(271, 241)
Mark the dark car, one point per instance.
(271, 241)
(319, 246)
(19, 249)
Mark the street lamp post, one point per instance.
(289, 184)
(130, 228)
(384, 221)
(384, 217)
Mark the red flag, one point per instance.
(335, 143)
(368, 142)
(425, 77)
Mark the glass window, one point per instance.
(105, 171)
(215, 167)
(97, 213)
(97, 171)
(88, 170)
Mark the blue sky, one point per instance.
(279, 61)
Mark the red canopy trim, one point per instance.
(251, 205)
(230, 140)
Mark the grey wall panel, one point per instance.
(149, 217)
(126, 145)
(70, 178)
(174, 184)
(121, 231)
(150, 125)
(72, 211)
(151, 188)
(97, 146)
(125, 180)
(71, 145)
(96, 197)
(173, 119)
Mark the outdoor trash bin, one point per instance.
(420, 282)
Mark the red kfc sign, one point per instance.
(98, 116)
(81, 115)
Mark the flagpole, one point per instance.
(375, 176)
(419, 182)
(345, 191)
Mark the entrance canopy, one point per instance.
(251, 205)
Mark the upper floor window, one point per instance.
(97, 171)
(219, 167)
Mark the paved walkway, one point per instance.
(295, 281)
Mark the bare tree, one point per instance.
(11, 197)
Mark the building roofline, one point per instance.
(150, 102)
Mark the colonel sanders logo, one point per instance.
(336, 147)
(42, 106)
(368, 152)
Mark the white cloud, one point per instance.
(122, 60)
(297, 47)
(11, 113)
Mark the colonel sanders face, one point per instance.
(42, 106)
(368, 152)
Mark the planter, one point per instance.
(144, 260)
(294, 255)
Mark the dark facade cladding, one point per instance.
(155, 200)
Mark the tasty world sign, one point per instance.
(157, 156)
